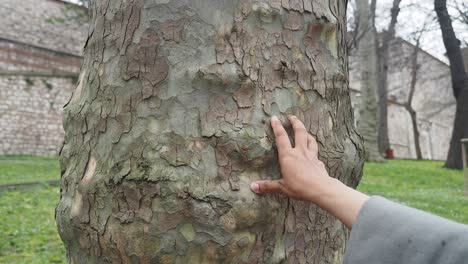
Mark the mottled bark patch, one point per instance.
(173, 29)
(294, 21)
(142, 62)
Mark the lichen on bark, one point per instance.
(169, 125)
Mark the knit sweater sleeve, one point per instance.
(386, 232)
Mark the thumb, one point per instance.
(266, 186)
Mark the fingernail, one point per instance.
(255, 187)
(293, 117)
(274, 119)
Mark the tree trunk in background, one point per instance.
(409, 103)
(414, 122)
(169, 125)
(459, 84)
(384, 53)
(368, 109)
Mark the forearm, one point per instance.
(340, 200)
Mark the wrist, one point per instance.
(327, 190)
(341, 201)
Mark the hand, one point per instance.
(304, 175)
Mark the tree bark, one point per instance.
(384, 53)
(409, 102)
(169, 125)
(368, 122)
(414, 122)
(459, 85)
(460, 131)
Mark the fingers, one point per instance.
(266, 186)
(300, 132)
(312, 144)
(281, 136)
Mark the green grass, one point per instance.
(19, 169)
(425, 185)
(28, 233)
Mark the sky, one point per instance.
(413, 16)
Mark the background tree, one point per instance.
(461, 15)
(414, 66)
(382, 42)
(459, 84)
(169, 125)
(383, 59)
(368, 122)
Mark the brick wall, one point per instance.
(46, 23)
(39, 64)
(31, 114)
(17, 56)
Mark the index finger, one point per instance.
(300, 132)
(281, 136)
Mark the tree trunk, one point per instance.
(460, 131)
(169, 125)
(368, 109)
(409, 103)
(414, 122)
(459, 84)
(384, 53)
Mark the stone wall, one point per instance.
(31, 114)
(39, 65)
(22, 57)
(46, 23)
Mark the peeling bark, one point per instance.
(168, 127)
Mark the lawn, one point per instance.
(20, 169)
(421, 184)
(28, 233)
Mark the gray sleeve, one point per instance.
(386, 232)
